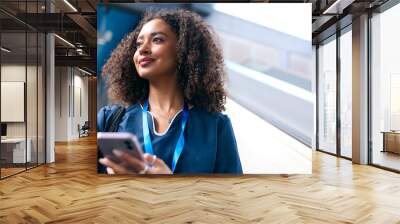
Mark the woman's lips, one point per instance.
(145, 62)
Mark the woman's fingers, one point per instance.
(158, 165)
(129, 161)
(150, 159)
(115, 167)
(131, 165)
(110, 170)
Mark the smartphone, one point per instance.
(124, 141)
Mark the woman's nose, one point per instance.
(144, 48)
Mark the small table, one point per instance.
(13, 150)
(391, 141)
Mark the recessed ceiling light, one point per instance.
(338, 6)
(84, 71)
(5, 50)
(70, 5)
(64, 40)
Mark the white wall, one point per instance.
(12, 101)
(16, 73)
(33, 126)
(80, 100)
(61, 103)
(70, 83)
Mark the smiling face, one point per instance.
(156, 53)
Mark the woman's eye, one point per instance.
(138, 44)
(157, 40)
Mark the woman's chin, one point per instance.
(146, 75)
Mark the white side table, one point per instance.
(19, 149)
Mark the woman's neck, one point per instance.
(165, 95)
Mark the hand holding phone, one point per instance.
(126, 142)
(123, 155)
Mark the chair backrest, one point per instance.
(86, 125)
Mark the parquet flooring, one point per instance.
(70, 191)
(9, 171)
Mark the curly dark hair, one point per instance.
(200, 66)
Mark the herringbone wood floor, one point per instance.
(70, 191)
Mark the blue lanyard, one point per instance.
(146, 134)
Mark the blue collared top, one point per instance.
(210, 144)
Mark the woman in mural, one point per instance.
(169, 76)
